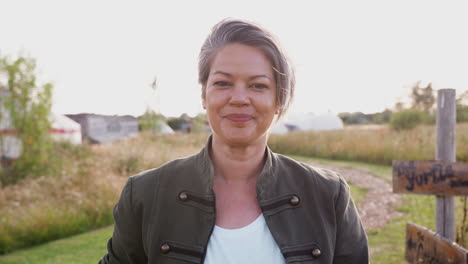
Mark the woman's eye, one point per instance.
(221, 84)
(259, 86)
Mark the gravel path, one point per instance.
(377, 207)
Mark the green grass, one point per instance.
(381, 171)
(81, 249)
(357, 193)
(386, 244)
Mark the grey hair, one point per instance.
(230, 31)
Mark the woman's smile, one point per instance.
(239, 118)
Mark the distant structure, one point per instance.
(62, 129)
(307, 122)
(103, 128)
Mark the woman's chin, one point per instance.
(241, 138)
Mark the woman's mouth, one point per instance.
(239, 117)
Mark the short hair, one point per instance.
(231, 31)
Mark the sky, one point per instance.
(349, 56)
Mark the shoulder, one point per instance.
(147, 182)
(307, 176)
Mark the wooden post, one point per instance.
(445, 151)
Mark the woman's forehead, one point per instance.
(235, 59)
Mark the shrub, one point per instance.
(28, 106)
(409, 119)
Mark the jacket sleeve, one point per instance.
(125, 245)
(351, 240)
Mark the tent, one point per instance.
(307, 122)
(320, 122)
(65, 129)
(164, 128)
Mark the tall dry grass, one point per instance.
(379, 146)
(82, 195)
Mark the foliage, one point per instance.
(176, 123)
(28, 106)
(377, 146)
(382, 117)
(462, 113)
(187, 124)
(462, 107)
(80, 195)
(79, 249)
(151, 121)
(409, 119)
(354, 118)
(423, 97)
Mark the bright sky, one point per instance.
(349, 56)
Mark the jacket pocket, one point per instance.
(182, 251)
(303, 253)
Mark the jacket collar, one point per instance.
(205, 170)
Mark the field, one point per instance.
(81, 197)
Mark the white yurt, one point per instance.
(307, 122)
(320, 122)
(65, 129)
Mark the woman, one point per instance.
(236, 201)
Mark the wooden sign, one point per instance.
(430, 177)
(425, 246)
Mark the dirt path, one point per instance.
(377, 206)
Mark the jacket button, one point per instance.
(165, 248)
(316, 253)
(183, 196)
(294, 200)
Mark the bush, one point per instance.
(409, 119)
(28, 106)
(462, 113)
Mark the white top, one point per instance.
(250, 244)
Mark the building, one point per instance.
(103, 128)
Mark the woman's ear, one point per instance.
(278, 108)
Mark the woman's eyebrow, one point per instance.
(223, 73)
(260, 76)
(251, 77)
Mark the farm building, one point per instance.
(307, 122)
(63, 129)
(103, 128)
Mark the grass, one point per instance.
(376, 146)
(80, 249)
(81, 196)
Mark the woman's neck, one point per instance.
(237, 164)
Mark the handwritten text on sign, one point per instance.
(425, 246)
(430, 177)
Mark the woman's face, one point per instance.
(240, 98)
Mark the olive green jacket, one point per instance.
(166, 215)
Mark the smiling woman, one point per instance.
(236, 201)
(240, 97)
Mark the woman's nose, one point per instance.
(239, 95)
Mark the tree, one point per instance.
(152, 121)
(28, 106)
(423, 97)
